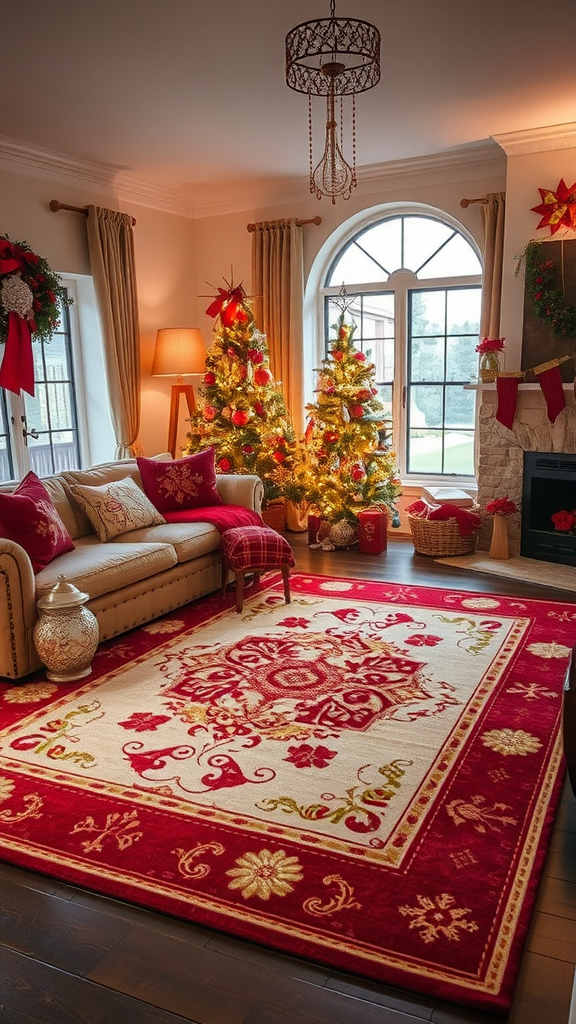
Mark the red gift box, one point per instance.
(372, 531)
(313, 527)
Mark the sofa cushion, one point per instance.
(189, 482)
(116, 507)
(28, 516)
(189, 540)
(100, 568)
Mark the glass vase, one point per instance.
(489, 366)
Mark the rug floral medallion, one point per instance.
(367, 777)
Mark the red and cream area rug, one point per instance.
(366, 777)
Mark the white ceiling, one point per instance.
(190, 94)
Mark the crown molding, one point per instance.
(476, 159)
(538, 140)
(36, 162)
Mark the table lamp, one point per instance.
(179, 351)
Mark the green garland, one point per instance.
(548, 298)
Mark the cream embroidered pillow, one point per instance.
(116, 508)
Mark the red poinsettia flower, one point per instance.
(490, 345)
(501, 507)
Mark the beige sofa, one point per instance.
(134, 578)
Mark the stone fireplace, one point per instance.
(501, 453)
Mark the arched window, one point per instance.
(415, 284)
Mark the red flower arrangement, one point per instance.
(565, 521)
(501, 507)
(490, 345)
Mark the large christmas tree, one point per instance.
(346, 464)
(241, 409)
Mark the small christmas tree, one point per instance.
(241, 410)
(346, 465)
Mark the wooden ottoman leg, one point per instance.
(224, 579)
(239, 590)
(286, 578)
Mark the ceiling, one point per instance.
(190, 95)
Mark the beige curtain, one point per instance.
(111, 248)
(278, 285)
(493, 212)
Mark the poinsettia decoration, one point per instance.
(30, 297)
(557, 208)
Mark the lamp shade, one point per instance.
(179, 351)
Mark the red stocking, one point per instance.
(507, 389)
(550, 381)
(17, 370)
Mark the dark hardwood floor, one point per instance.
(68, 956)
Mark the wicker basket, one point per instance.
(440, 538)
(274, 515)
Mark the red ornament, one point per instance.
(357, 411)
(209, 412)
(209, 378)
(279, 456)
(337, 355)
(557, 208)
(357, 472)
(360, 356)
(262, 375)
(330, 437)
(255, 355)
(239, 417)
(224, 465)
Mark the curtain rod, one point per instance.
(466, 202)
(299, 223)
(55, 206)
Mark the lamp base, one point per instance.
(177, 390)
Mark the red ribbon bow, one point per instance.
(229, 305)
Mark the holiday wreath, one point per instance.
(548, 298)
(30, 297)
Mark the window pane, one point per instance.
(428, 312)
(422, 237)
(355, 267)
(425, 451)
(456, 259)
(427, 359)
(460, 406)
(383, 242)
(426, 406)
(463, 311)
(459, 452)
(461, 359)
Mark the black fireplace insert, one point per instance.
(549, 487)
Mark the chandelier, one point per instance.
(333, 57)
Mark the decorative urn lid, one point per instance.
(63, 595)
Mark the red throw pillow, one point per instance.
(28, 517)
(184, 483)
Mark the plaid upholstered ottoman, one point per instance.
(254, 550)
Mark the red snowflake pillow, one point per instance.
(28, 516)
(184, 483)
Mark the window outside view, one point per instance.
(414, 285)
